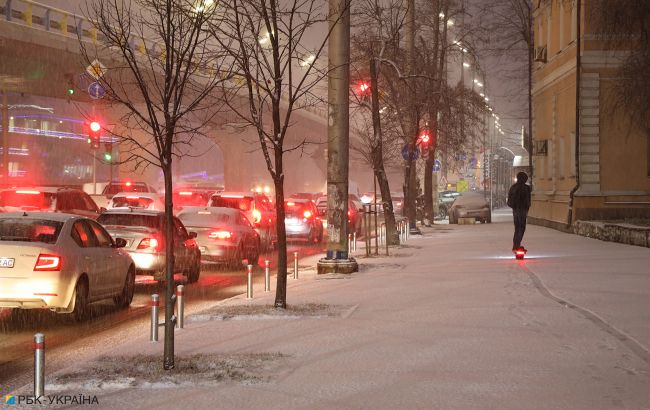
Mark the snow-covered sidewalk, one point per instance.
(450, 320)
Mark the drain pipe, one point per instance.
(577, 152)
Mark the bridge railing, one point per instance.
(34, 14)
(41, 16)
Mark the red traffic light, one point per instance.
(364, 87)
(94, 129)
(424, 137)
(95, 126)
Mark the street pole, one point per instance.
(337, 259)
(5, 137)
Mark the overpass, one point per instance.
(45, 95)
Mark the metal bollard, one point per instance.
(267, 275)
(354, 241)
(155, 304)
(180, 305)
(349, 243)
(295, 265)
(39, 364)
(249, 287)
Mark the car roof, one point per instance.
(220, 209)
(53, 216)
(132, 211)
(49, 189)
(151, 195)
(298, 200)
(233, 194)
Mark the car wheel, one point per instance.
(320, 236)
(80, 297)
(194, 272)
(124, 299)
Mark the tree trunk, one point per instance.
(392, 237)
(168, 357)
(278, 181)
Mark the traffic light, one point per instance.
(424, 138)
(364, 87)
(108, 152)
(94, 129)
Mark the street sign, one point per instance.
(96, 91)
(461, 156)
(437, 166)
(96, 69)
(414, 154)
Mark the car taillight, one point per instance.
(257, 216)
(47, 262)
(307, 214)
(148, 243)
(224, 235)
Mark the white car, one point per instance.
(61, 262)
(136, 200)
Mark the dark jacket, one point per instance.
(519, 193)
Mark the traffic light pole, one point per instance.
(337, 259)
(94, 172)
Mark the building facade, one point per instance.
(603, 173)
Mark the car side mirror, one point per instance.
(192, 235)
(102, 209)
(120, 242)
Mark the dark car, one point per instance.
(470, 205)
(302, 220)
(48, 199)
(445, 199)
(144, 234)
(224, 235)
(257, 208)
(355, 213)
(189, 197)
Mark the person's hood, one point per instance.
(522, 178)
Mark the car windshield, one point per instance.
(243, 204)
(204, 218)
(26, 199)
(471, 199)
(114, 188)
(29, 230)
(190, 198)
(147, 221)
(295, 209)
(132, 202)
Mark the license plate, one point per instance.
(292, 221)
(6, 262)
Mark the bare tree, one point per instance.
(278, 76)
(508, 27)
(161, 76)
(376, 25)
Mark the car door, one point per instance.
(182, 250)
(87, 261)
(111, 270)
(246, 229)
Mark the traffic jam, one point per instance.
(76, 264)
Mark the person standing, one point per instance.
(519, 201)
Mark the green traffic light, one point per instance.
(70, 91)
(108, 156)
